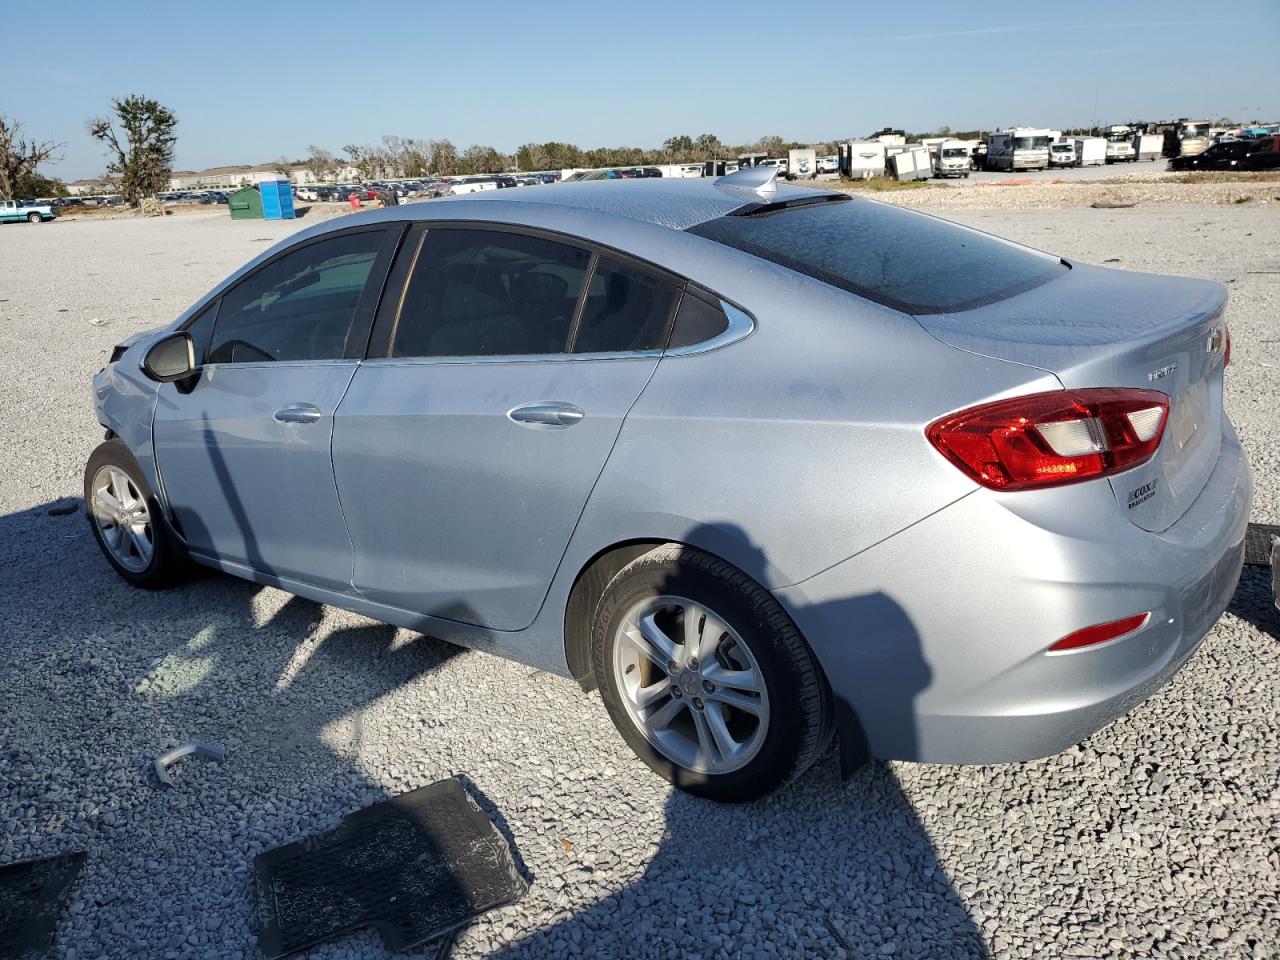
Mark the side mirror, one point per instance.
(171, 358)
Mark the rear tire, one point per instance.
(34, 218)
(751, 714)
(127, 520)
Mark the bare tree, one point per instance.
(321, 164)
(19, 157)
(141, 152)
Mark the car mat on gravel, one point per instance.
(32, 895)
(413, 867)
(1257, 543)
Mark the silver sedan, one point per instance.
(765, 465)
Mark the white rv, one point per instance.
(1119, 137)
(1148, 146)
(862, 159)
(950, 158)
(1090, 151)
(802, 164)
(1018, 148)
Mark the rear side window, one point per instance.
(698, 321)
(486, 292)
(298, 307)
(904, 260)
(626, 309)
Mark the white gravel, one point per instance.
(1159, 836)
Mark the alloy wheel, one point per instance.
(690, 684)
(123, 519)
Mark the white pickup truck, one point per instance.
(11, 211)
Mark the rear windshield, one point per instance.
(905, 260)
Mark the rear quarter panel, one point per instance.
(798, 446)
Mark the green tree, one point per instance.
(445, 161)
(141, 151)
(708, 147)
(19, 158)
(679, 148)
(479, 158)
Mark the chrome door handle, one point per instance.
(546, 415)
(298, 413)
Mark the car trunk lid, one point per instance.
(1095, 327)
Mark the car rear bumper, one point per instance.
(935, 641)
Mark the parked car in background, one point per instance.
(1232, 155)
(1062, 153)
(12, 212)
(341, 418)
(307, 192)
(950, 158)
(464, 185)
(829, 164)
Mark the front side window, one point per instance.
(300, 306)
(490, 293)
(626, 310)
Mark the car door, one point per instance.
(465, 451)
(243, 450)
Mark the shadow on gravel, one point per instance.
(215, 658)
(1254, 603)
(819, 868)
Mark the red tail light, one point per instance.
(1101, 633)
(1048, 439)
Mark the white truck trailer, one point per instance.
(802, 164)
(911, 162)
(1019, 148)
(1090, 151)
(1148, 146)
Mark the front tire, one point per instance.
(126, 519)
(706, 677)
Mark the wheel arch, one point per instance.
(588, 587)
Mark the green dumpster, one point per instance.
(245, 204)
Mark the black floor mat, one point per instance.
(1257, 543)
(413, 867)
(32, 895)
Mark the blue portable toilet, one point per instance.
(277, 199)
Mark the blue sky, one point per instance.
(252, 81)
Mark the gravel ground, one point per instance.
(1047, 191)
(1157, 836)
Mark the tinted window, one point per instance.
(698, 321)
(298, 307)
(914, 263)
(481, 293)
(626, 309)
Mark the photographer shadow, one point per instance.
(823, 867)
